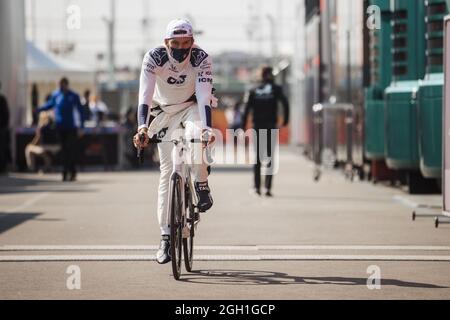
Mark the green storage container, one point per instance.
(374, 125)
(380, 78)
(402, 148)
(430, 94)
(408, 66)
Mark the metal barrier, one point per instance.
(98, 147)
(332, 136)
(446, 128)
(444, 218)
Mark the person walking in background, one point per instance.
(44, 143)
(87, 114)
(5, 152)
(262, 103)
(69, 123)
(234, 116)
(99, 110)
(34, 102)
(99, 113)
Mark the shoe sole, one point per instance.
(162, 263)
(204, 210)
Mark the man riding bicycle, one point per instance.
(175, 93)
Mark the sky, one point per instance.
(224, 23)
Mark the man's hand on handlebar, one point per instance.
(141, 139)
(208, 137)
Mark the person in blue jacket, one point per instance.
(69, 123)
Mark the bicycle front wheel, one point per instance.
(176, 227)
(188, 240)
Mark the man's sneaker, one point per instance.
(163, 254)
(73, 177)
(268, 194)
(255, 192)
(205, 201)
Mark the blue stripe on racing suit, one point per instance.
(208, 116)
(143, 111)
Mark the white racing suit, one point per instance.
(172, 96)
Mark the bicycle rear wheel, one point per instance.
(176, 227)
(188, 242)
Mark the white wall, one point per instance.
(297, 75)
(13, 59)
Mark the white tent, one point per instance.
(45, 70)
(46, 67)
(12, 58)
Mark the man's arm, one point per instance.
(147, 84)
(285, 104)
(203, 89)
(248, 100)
(37, 137)
(48, 105)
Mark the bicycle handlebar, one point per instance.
(174, 141)
(140, 152)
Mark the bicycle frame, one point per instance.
(180, 184)
(181, 173)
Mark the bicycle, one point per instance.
(183, 211)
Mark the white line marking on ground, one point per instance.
(357, 247)
(433, 207)
(129, 258)
(76, 248)
(114, 248)
(354, 258)
(28, 203)
(225, 248)
(406, 202)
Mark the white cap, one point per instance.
(179, 28)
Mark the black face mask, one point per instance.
(180, 54)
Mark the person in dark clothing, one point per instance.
(262, 103)
(34, 103)
(5, 152)
(44, 144)
(236, 122)
(87, 114)
(70, 123)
